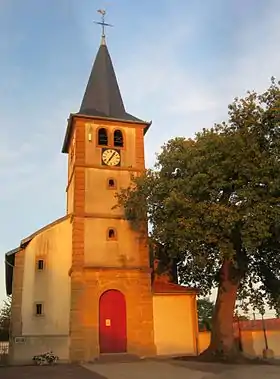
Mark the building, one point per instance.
(82, 286)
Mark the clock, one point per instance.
(111, 157)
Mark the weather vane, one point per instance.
(102, 23)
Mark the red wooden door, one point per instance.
(112, 322)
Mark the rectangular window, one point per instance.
(39, 311)
(40, 264)
(111, 183)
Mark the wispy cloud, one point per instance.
(182, 98)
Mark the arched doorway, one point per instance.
(112, 322)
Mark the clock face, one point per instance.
(111, 157)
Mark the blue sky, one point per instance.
(179, 63)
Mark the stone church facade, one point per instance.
(82, 286)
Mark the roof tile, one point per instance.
(165, 287)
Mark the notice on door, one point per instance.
(108, 322)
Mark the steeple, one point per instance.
(102, 95)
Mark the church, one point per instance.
(84, 286)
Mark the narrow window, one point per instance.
(71, 155)
(112, 235)
(39, 309)
(102, 137)
(40, 264)
(118, 138)
(111, 184)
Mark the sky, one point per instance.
(179, 63)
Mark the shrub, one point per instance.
(45, 359)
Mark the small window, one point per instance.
(111, 184)
(102, 137)
(39, 309)
(112, 235)
(40, 264)
(118, 138)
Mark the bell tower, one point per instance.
(111, 295)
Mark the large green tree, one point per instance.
(213, 204)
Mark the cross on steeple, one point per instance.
(103, 24)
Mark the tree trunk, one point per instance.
(222, 345)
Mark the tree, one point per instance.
(5, 317)
(205, 309)
(212, 203)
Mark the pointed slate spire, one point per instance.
(102, 95)
(102, 98)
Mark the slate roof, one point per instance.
(164, 287)
(102, 96)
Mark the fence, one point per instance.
(254, 336)
(4, 351)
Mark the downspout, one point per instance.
(195, 326)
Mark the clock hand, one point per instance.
(111, 157)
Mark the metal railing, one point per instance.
(4, 352)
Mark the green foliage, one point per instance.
(217, 197)
(5, 317)
(205, 308)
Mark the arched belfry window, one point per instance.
(102, 137)
(118, 138)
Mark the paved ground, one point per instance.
(147, 369)
(47, 372)
(150, 369)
